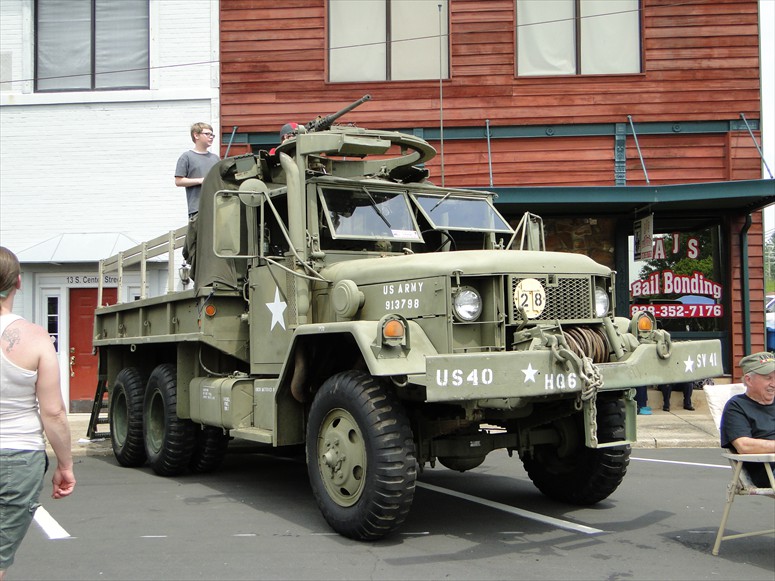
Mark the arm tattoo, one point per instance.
(12, 336)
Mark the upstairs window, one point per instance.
(91, 45)
(388, 40)
(578, 37)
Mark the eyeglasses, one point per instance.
(207, 133)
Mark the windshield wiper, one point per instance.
(448, 194)
(376, 208)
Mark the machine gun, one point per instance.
(323, 123)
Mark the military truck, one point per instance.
(344, 303)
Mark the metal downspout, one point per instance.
(744, 285)
(489, 151)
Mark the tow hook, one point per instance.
(664, 344)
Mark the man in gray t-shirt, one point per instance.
(190, 172)
(194, 164)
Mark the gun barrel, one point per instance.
(324, 123)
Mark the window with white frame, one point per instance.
(388, 40)
(578, 37)
(50, 309)
(91, 45)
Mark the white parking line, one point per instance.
(727, 467)
(51, 528)
(563, 524)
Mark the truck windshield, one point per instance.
(369, 213)
(455, 212)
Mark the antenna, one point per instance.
(441, 95)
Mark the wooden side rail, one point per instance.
(140, 254)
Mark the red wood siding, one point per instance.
(700, 63)
(568, 161)
(671, 159)
(755, 289)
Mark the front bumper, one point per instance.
(520, 374)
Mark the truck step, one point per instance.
(253, 434)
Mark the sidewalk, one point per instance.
(675, 429)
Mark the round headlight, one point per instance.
(467, 304)
(601, 302)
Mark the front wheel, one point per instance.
(573, 473)
(360, 456)
(169, 440)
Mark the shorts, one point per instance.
(21, 480)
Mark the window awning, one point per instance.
(76, 247)
(698, 201)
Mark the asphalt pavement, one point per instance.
(677, 428)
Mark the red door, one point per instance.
(83, 365)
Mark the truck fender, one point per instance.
(379, 360)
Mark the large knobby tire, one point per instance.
(210, 447)
(126, 417)
(360, 456)
(169, 440)
(574, 473)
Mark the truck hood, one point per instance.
(468, 262)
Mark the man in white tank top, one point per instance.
(31, 404)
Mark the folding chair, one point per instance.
(740, 485)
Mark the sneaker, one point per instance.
(644, 411)
(689, 407)
(665, 408)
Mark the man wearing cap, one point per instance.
(286, 132)
(748, 421)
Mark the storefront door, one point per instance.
(83, 364)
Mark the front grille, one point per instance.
(567, 299)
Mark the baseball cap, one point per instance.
(762, 363)
(288, 128)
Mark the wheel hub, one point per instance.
(342, 454)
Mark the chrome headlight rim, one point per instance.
(467, 304)
(602, 302)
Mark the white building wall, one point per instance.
(95, 167)
(101, 161)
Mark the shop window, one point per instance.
(585, 37)
(387, 40)
(90, 45)
(682, 282)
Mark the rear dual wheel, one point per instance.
(126, 417)
(210, 447)
(169, 440)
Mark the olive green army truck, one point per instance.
(343, 302)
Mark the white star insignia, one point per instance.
(277, 307)
(530, 373)
(689, 363)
